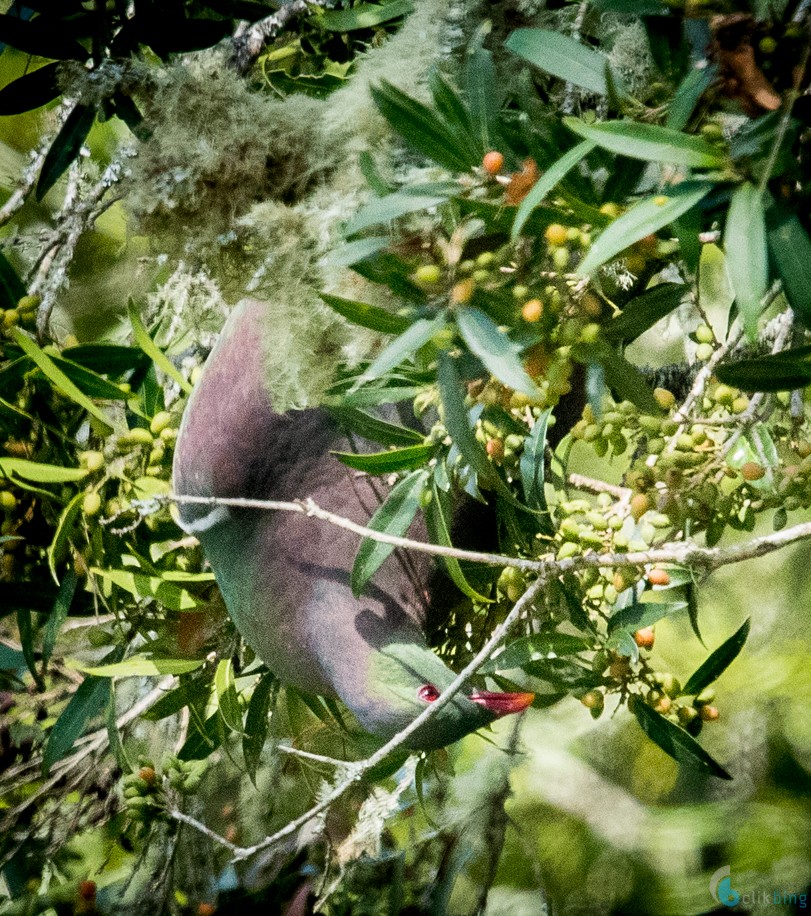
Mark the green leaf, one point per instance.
(202, 742)
(192, 691)
(533, 464)
(30, 91)
(372, 397)
(88, 382)
(141, 585)
(422, 129)
(354, 252)
(482, 96)
(649, 143)
(227, 697)
(790, 250)
(65, 147)
(17, 469)
(403, 347)
(401, 459)
(784, 371)
(454, 112)
(373, 428)
(643, 312)
(151, 349)
(563, 57)
(58, 378)
(367, 316)
(60, 542)
(26, 630)
(538, 647)
(457, 423)
(638, 615)
(11, 659)
(393, 206)
(144, 666)
(256, 722)
(107, 359)
(647, 217)
(718, 661)
(494, 349)
(393, 517)
(675, 741)
(86, 704)
(689, 91)
(42, 37)
(745, 248)
(364, 15)
(691, 594)
(11, 286)
(437, 515)
(59, 613)
(550, 178)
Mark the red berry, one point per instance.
(493, 162)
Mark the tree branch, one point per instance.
(248, 43)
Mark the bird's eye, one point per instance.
(428, 693)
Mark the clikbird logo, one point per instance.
(721, 888)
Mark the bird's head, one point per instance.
(404, 678)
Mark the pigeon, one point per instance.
(285, 577)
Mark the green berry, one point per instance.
(428, 274)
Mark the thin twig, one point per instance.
(249, 42)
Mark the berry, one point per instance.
(556, 234)
(428, 274)
(640, 504)
(493, 162)
(704, 352)
(495, 449)
(709, 713)
(462, 291)
(91, 504)
(752, 471)
(658, 577)
(704, 334)
(645, 638)
(87, 890)
(532, 310)
(8, 500)
(664, 398)
(593, 700)
(767, 45)
(160, 421)
(147, 774)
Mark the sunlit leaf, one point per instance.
(745, 248)
(642, 312)
(401, 459)
(227, 697)
(257, 722)
(367, 316)
(364, 15)
(494, 349)
(393, 517)
(148, 345)
(143, 666)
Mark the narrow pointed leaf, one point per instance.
(642, 312)
(790, 250)
(257, 722)
(403, 347)
(58, 377)
(12, 288)
(374, 429)
(563, 57)
(144, 666)
(86, 704)
(718, 661)
(675, 741)
(689, 91)
(391, 207)
(65, 147)
(227, 697)
(538, 647)
(89, 382)
(30, 91)
(533, 464)
(649, 143)
(745, 248)
(401, 459)
(364, 15)
(646, 217)
(367, 316)
(193, 691)
(779, 372)
(59, 613)
(140, 585)
(21, 469)
(494, 349)
(550, 178)
(42, 37)
(152, 350)
(482, 93)
(393, 517)
(60, 542)
(436, 517)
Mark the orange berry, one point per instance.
(645, 638)
(640, 503)
(556, 234)
(462, 291)
(206, 909)
(147, 774)
(493, 162)
(658, 577)
(495, 448)
(752, 471)
(532, 310)
(709, 713)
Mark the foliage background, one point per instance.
(240, 185)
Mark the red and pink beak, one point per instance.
(502, 704)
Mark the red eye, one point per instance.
(428, 693)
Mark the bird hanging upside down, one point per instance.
(285, 577)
